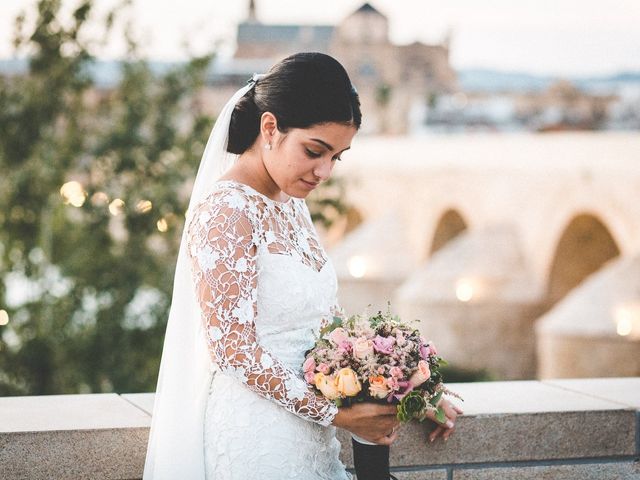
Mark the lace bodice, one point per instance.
(238, 239)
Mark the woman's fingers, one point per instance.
(388, 439)
(436, 433)
(446, 428)
(447, 433)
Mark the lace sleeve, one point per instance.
(222, 249)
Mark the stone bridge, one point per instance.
(483, 237)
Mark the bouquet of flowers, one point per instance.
(381, 359)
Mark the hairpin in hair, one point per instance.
(256, 76)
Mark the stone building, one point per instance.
(394, 81)
(520, 254)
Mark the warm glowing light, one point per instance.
(627, 320)
(99, 198)
(143, 206)
(624, 326)
(73, 193)
(4, 317)
(162, 225)
(464, 290)
(357, 266)
(116, 207)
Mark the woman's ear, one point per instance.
(268, 127)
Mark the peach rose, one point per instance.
(421, 375)
(338, 335)
(363, 348)
(378, 387)
(347, 382)
(327, 385)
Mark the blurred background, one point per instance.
(492, 193)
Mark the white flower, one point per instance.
(270, 237)
(215, 333)
(244, 311)
(235, 201)
(266, 360)
(296, 388)
(235, 372)
(304, 244)
(207, 258)
(241, 265)
(204, 218)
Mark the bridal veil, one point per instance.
(176, 438)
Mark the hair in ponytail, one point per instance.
(303, 90)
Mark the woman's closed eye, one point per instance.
(313, 154)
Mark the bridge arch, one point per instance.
(585, 244)
(450, 224)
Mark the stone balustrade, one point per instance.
(554, 429)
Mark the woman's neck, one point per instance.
(250, 170)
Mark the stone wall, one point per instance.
(558, 429)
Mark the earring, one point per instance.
(267, 146)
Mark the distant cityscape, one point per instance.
(411, 89)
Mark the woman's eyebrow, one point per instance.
(326, 145)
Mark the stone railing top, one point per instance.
(110, 410)
(549, 424)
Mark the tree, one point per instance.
(94, 185)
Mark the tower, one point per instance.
(252, 12)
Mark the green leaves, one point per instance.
(411, 406)
(337, 322)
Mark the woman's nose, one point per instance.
(323, 169)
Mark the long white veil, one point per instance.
(176, 439)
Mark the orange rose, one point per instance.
(327, 385)
(378, 387)
(348, 383)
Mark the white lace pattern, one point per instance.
(265, 287)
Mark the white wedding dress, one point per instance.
(265, 288)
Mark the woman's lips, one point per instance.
(310, 185)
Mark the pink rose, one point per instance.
(392, 383)
(421, 375)
(403, 390)
(396, 372)
(424, 351)
(400, 340)
(380, 370)
(309, 365)
(338, 336)
(324, 368)
(345, 346)
(310, 377)
(432, 348)
(384, 344)
(362, 348)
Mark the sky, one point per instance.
(550, 37)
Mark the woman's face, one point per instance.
(304, 157)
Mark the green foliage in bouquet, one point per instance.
(391, 359)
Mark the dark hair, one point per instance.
(303, 90)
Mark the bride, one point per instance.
(253, 286)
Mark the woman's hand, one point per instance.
(446, 428)
(371, 421)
